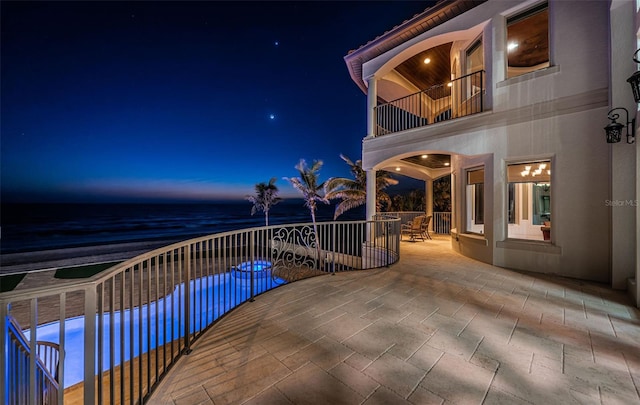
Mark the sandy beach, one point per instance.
(60, 258)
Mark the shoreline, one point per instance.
(43, 260)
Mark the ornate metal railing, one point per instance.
(458, 98)
(128, 325)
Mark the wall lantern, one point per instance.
(614, 129)
(634, 80)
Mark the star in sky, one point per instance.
(272, 116)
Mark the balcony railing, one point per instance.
(128, 325)
(461, 97)
(440, 223)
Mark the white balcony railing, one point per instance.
(124, 328)
(440, 221)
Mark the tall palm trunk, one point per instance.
(308, 185)
(315, 234)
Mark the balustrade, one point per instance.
(132, 322)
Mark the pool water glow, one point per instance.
(222, 292)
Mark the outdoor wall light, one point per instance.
(634, 80)
(614, 129)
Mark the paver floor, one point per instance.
(434, 328)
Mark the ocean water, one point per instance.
(34, 227)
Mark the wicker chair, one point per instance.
(414, 228)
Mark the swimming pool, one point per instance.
(211, 297)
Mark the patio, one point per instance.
(434, 328)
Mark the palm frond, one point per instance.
(347, 205)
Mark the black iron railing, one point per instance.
(458, 98)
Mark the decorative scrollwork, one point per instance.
(294, 248)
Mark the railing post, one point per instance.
(33, 322)
(481, 91)
(187, 299)
(62, 345)
(333, 249)
(386, 247)
(252, 251)
(89, 345)
(4, 344)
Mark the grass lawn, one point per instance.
(83, 271)
(9, 282)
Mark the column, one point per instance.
(428, 200)
(371, 194)
(372, 101)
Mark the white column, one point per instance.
(371, 194)
(428, 200)
(623, 155)
(372, 98)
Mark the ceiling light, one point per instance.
(511, 46)
(447, 164)
(425, 156)
(449, 84)
(426, 61)
(397, 169)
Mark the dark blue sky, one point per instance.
(187, 100)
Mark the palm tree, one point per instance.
(266, 197)
(307, 184)
(353, 192)
(442, 194)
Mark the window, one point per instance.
(528, 41)
(529, 200)
(475, 57)
(474, 64)
(475, 201)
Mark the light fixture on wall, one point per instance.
(634, 80)
(614, 129)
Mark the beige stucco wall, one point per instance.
(556, 113)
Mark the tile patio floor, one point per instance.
(435, 328)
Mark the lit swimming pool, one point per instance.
(210, 298)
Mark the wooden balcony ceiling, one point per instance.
(424, 75)
(432, 161)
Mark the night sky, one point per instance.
(163, 101)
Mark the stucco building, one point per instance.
(510, 99)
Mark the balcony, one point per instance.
(434, 327)
(127, 326)
(459, 98)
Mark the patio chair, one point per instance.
(425, 227)
(413, 228)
